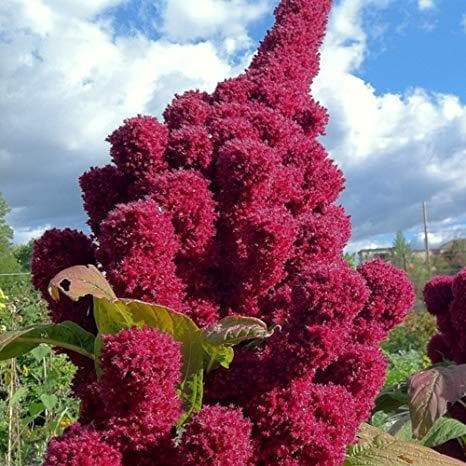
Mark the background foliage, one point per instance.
(35, 401)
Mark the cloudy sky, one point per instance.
(393, 78)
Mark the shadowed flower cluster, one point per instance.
(228, 207)
(445, 298)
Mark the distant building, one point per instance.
(366, 255)
(386, 254)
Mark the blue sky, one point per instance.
(392, 77)
(411, 47)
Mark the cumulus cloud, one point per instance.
(66, 82)
(24, 234)
(372, 243)
(426, 4)
(397, 150)
(440, 232)
(186, 21)
(67, 79)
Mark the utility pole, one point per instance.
(426, 238)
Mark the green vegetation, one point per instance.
(406, 347)
(35, 400)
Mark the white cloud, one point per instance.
(81, 8)
(65, 83)
(186, 20)
(25, 234)
(397, 150)
(372, 243)
(440, 232)
(426, 4)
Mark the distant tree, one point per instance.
(6, 232)
(8, 262)
(440, 265)
(23, 255)
(350, 259)
(402, 253)
(419, 275)
(455, 256)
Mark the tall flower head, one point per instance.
(229, 207)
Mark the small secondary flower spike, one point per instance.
(228, 207)
(445, 298)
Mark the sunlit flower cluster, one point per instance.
(228, 207)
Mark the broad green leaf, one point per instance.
(429, 393)
(34, 410)
(79, 281)
(111, 317)
(40, 352)
(98, 345)
(50, 401)
(217, 356)
(377, 448)
(68, 335)
(443, 430)
(199, 354)
(400, 426)
(18, 395)
(233, 330)
(391, 399)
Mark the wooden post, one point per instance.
(426, 238)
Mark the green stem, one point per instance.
(51, 342)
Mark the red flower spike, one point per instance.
(229, 208)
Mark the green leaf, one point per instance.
(233, 330)
(400, 426)
(50, 401)
(199, 354)
(34, 410)
(217, 356)
(429, 393)
(443, 430)
(377, 448)
(18, 395)
(201, 351)
(98, 345)
(391, 398)
(40, 352)
(113, 316)
(66, 335)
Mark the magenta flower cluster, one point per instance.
(445, 298)
(228, 207)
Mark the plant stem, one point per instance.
(11, 392)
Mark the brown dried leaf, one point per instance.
(233, 330)
(79, 281)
